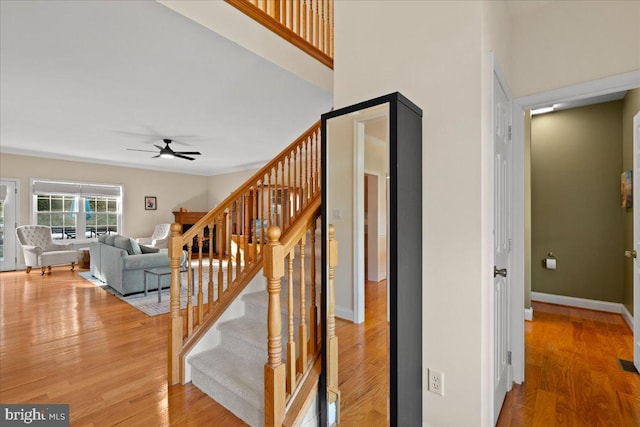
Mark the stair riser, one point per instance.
(242, 408)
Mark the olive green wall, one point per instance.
(576, 162)
(630, 106)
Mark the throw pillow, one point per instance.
(135, 246)
(148, 249)
(102, 238)
(110, 239)
(124, 242)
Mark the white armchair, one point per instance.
(40, 250)
(160, 237)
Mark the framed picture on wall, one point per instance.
(150, 203)
(626, 188)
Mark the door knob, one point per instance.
(631, 254)
(499, 271)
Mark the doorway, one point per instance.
(520, 106)
(9, 202)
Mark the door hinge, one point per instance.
(508, 358)
(509, 131)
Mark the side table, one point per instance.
(158, 273)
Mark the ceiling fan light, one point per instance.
(167, 155)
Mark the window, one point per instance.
(68, 207)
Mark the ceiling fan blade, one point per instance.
(159, 147)
(156, 156)
(146, 151)
(192, 153)
(183, 157)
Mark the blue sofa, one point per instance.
(120, 261)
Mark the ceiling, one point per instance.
(86, 80)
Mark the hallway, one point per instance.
(572, 377)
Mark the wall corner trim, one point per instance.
(528, 314)
(627, 316)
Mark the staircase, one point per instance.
(252, 351)
(231, 373)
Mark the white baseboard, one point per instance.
(528, 314)
(610, 307)
(344, 313)
(627, 316)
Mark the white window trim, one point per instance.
(81, 220)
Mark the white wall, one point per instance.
(562, 43)
(220, 186)
(229, 22)
(438, 55)
(172, 190)
(340, 170)
(430, 52)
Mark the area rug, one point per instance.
(148, 304)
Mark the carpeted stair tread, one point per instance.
(234, 382)
(253, 332)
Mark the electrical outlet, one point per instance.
(436, 382)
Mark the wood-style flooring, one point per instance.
(63, 340)
(572, 376)
(363, 354)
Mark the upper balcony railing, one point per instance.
(308, 24)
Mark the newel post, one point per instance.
(332, 339)
(274, 369)
(175, 320)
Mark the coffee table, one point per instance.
(158, 273)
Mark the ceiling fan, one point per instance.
(167, 152)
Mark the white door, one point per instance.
(8, 218)
(636, 240)
(501, 241)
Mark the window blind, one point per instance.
(75, 189)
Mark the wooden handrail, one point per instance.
(225, 247)
(307, 24)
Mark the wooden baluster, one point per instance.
(270, 222)
(316, 24)
(282, 198)
(304, 19)
(303, 201)
(189, 296)
(302, 329)
(227, 239)
(308, 168)
(175, 320)
(296, 17)
(274, 369)
(332, 339)
(246, 224)
(239, 257)
(275, 202)
(318, 175)
(189, 288)
(263, 206)
(321, 27)
(290, 202)
(313, 310)
(218, 227)
(255, 217)
(291, 343)
(210, 284)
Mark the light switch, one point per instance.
(337, 213)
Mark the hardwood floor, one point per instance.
(363, 372)
(572, 375)
(63, 340)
